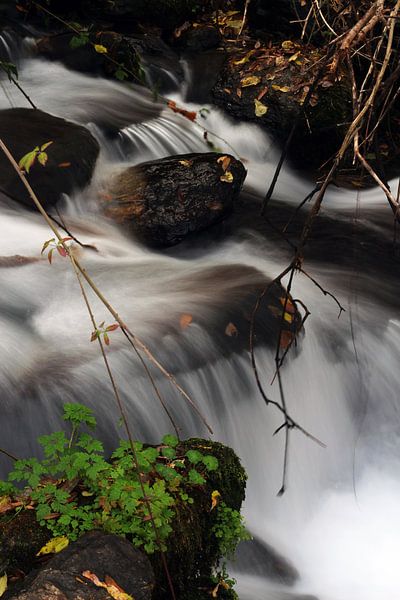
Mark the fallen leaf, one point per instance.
(109, 584)
(287, 45)
(294, 57)
(238, 92)
(288, 317)
(3, 584)
(259, 108)
(185, 320)
(54, 546)
(250, 80)
(64, 165)
(224, 161)
(215, 205)
(245, 59)
(227, 177)
(231, 330)
(186, 163)
(191, 115)
(281, 88)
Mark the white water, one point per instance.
(339, 521)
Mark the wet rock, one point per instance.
(162, 201)
(71, 156)
(105, 555)
(255, 556)
(268, 85)
(144, 58)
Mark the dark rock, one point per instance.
(71, 157)
(280, 77)
(162, 201)
(255, 556)
(147, 58)
(100, 553)
(197, 39)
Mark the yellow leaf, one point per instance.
(287, 45)
(251, 80)
(281, 88)
(55, 545)
(294, 57)
(259, 108)
(227, 177)
(214, 499)
(185, 320)
(186, 163)
(3, 584)
(245, 59)
(288, 317)
(100, 49)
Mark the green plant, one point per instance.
(229, 529)
(75, 489)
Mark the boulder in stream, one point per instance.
(71, 156)
(162, 201)
(104, 556)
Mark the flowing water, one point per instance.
(339, 521)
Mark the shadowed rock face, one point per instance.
(101, 554)
(71, 156)
(162, 201)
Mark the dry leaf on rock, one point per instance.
(259, 108)
(185, 320)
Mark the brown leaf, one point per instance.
(185, 320)
(286, 339)
(224, 161)
(191, 115)
(231, 330)
(251, 80)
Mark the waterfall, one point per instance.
(338, 522)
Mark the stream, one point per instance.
(338, 523)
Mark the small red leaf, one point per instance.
(106, 339)
(93, 336)
(61, 251)
(50, 255)
(112, 327)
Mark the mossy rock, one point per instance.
(193, 548)
(194, 551)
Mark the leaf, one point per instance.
(294, 57)
(100, 49)
(288, 317)
(191, 115)
(250, 80)
(112, 327)
(281, 88)
(120, 74)
(259, 108)
(46, 244)
(94, 336)
(54, 546)
(3, 584)
(61, 251)
(5, 504)
(215, 495)
(286, 339)
(224, 161)
(185, 320)
(109, 584)
(42, 158)
(231, 330)
(50, 255)
(227, 177)
(186, 163)
(245, 59)
(64, 165)
(106, 339)
(78, 40)
(44, 146)
(28, 160)
(288, 45)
